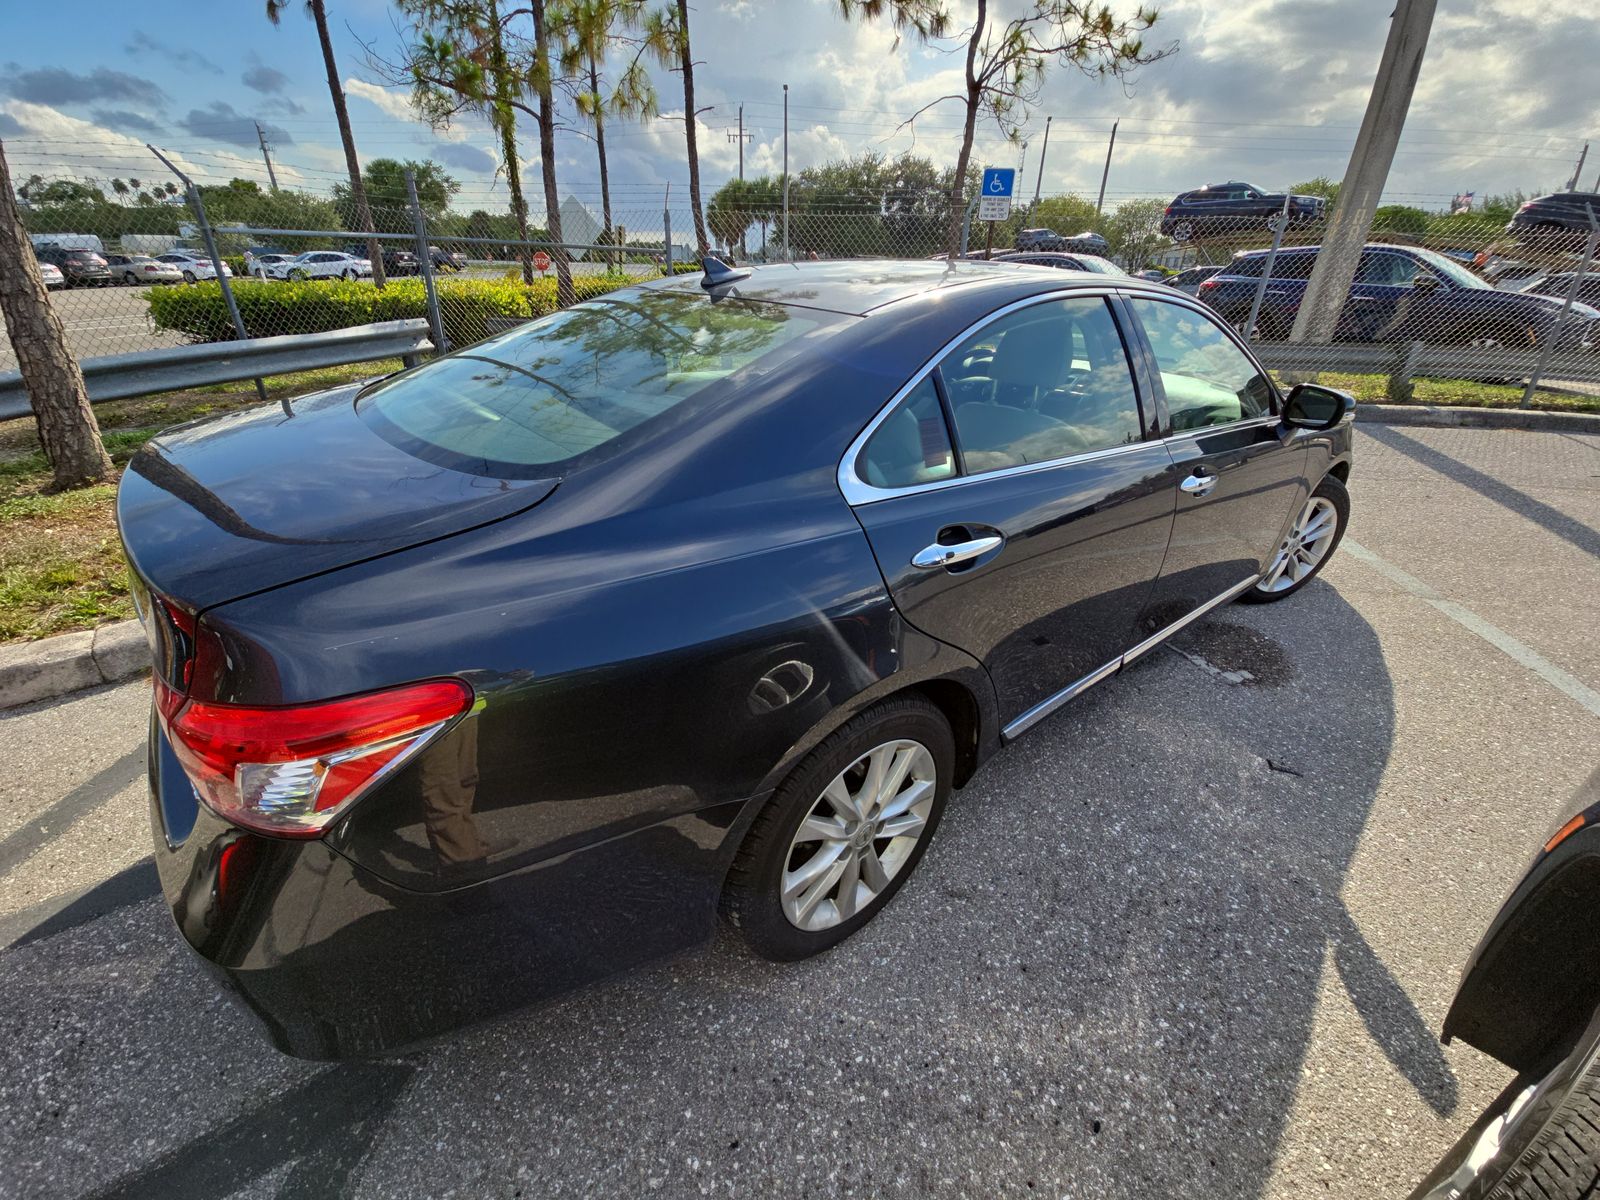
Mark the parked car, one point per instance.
(321, 264)
(1400, 293)
(1151, 275)
(52, 276)
(141, 269)
(193, 265)
(1530, 997)
(1065, 262)
(1086, 242)
(256, 255)
(449, 260)
(1558, 219)
(80, 268)
(1227, 207)
(1559, 284)
(1188, 281)
(504, 673)
(261, 265)
(400, 262)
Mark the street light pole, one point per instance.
(1104, 175)
(1364, 178)
(1039, 182)
(786, 251)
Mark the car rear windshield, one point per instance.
(550, 391)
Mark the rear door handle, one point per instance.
(932, 557)
(1199, 485)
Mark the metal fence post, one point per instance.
(966, 224)
(666, 236)
(198, 205)
(1266, 274)
(1566, 307)
(425, 266)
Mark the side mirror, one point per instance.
(1425, 283)
(1312, 406)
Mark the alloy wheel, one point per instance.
(1308, 543)
(858, 834)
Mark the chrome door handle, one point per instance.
(932, 557)
(1199, 485)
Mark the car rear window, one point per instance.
(555, 389)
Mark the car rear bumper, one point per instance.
(337, 962)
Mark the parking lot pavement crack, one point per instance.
(1546, 670)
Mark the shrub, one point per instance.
(269, 309)
(236, 265)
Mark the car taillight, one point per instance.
(294, 771)
(1166, 210)
(1209, 284)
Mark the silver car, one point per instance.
(137, 269)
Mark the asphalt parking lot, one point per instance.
(1194, 936)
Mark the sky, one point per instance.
(1267, 91)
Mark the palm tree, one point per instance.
(667, 35)
(590, 26)
(121, 188)
(539, 76)
(358, 191)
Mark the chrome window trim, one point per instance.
(858, 491)
(1027, 720)
(1208, 430)
(1184, 300)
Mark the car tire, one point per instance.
(1183, 231)
(347, 276)
(776, 851)
(1539, 1140)
(1304, 549)
(129, 278)
(189, 277)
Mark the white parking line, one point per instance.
(1471, 621)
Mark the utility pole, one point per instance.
(741, 137)
(1039, 182)
(262, 138)
(786, 252)
(1572, 185)
(1104, 175)
(1368, 171)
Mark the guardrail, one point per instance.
(118, 376)
(1407, 359)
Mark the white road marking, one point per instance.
(1471, 621)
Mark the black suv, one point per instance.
(1225, 207)
(1561, 217)
(82, 268)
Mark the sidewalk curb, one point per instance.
(55, 666)
(1442, 417)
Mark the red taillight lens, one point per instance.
(1209, 284)
(1166, 210)
(294, 771)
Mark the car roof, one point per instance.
(858, 286)
(1313, 249)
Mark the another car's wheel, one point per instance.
(129, 278)
(1539, 1140)
(841, 835)
(1315, 535)
(348, 276)
(298, 275)
(1183, 231)
(189, 277)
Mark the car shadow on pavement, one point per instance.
(1557, 522)
(1103, 981)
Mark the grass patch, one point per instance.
(1462, 393)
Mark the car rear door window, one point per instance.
(1045, 382)
(1207, 379)
(912, 444)
(562, 386)
(1386, 270)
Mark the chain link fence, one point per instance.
(1445, 308)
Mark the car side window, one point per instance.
(911, 445)
(1387, 270)
(1207, 379)
(1045, 382)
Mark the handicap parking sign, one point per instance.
(998, 181)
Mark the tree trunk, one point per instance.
(547, 157)
(689, 130)
(600, 144)
(958, 186)
(358, 190)
(68, 431)
(505, 120)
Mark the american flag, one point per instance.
(1462, 203)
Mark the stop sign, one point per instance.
(541, 261)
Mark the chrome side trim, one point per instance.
(1188, 618)
(858, 491)
(1209, 430)
(1045, 707)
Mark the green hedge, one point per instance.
(314, 306)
